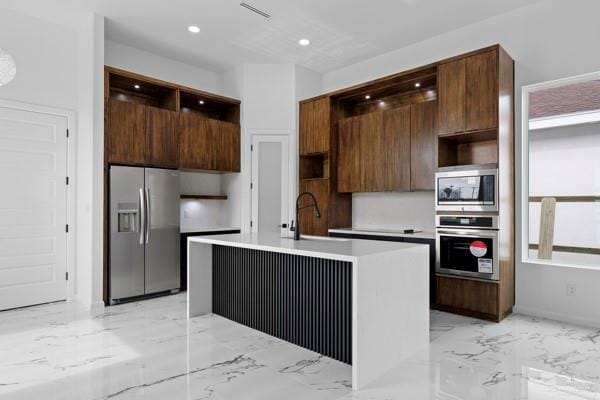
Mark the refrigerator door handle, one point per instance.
(148, 208)
(142, 218)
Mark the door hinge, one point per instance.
(67, 228)
(67, 133)
(67, 180)
(251, 147)
(250, 224)
(251, 185)
(66, 276)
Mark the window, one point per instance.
(561, 174)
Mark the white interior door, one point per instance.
(270, 183)
(33, 208)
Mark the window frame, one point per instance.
(526, 90)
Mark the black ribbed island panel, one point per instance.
(303, 300)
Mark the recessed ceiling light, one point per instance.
(193, 29)
(200, 102)
(418, 84)
(367, 97)
(136, 86)
(304, 42)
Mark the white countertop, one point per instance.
(385, 232)
(322, 247)
(193, 229)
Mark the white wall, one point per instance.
(393, 211)
(201, 214)
(267, 92)
(57, 66)
(142, 62)
(44, 54)
(548, 40)
(90, 161)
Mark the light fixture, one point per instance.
(367, 97)
(418, 84)
(8, 68)
(382, 103)
(193, 29)
(201, 102)
(136, 86)
(304, 42)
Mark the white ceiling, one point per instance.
(342, 32)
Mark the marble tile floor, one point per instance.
(148, 350)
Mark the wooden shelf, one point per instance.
(203, 197)
(470, 137)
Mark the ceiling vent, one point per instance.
(255, 10)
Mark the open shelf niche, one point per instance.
(468, 148)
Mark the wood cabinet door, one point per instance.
(162, 139)
(196, 144)
(423, 144)
(482, 91)
(126, 133)
(451, 96)
(349, 157)
(372, 152)
(315, 126)
(227, 145)
(309, 223)
(394, 159)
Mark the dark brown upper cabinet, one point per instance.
(227, 145)
(374, 151)
(349, 155)
(396, 146)
(196, 143)
(451, 96)
(125, 133)
(154, 123)
(162, 137)
(482, 91)
(315, 125)
(423, 143)
(468, 93)
(141, 135)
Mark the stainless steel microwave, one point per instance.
(467, 190)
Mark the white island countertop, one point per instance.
(344, 249)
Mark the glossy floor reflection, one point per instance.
(148, 350)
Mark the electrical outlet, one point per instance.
(571, 289)
(186, 214)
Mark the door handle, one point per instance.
(148, 209)
(284, 225)
(142, 215)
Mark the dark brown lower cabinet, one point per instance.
(470, 297)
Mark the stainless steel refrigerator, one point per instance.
(144, 232)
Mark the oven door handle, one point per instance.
(471, 234)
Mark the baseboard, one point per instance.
(533, 312)
(97, 308)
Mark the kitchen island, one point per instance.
(362, 302)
